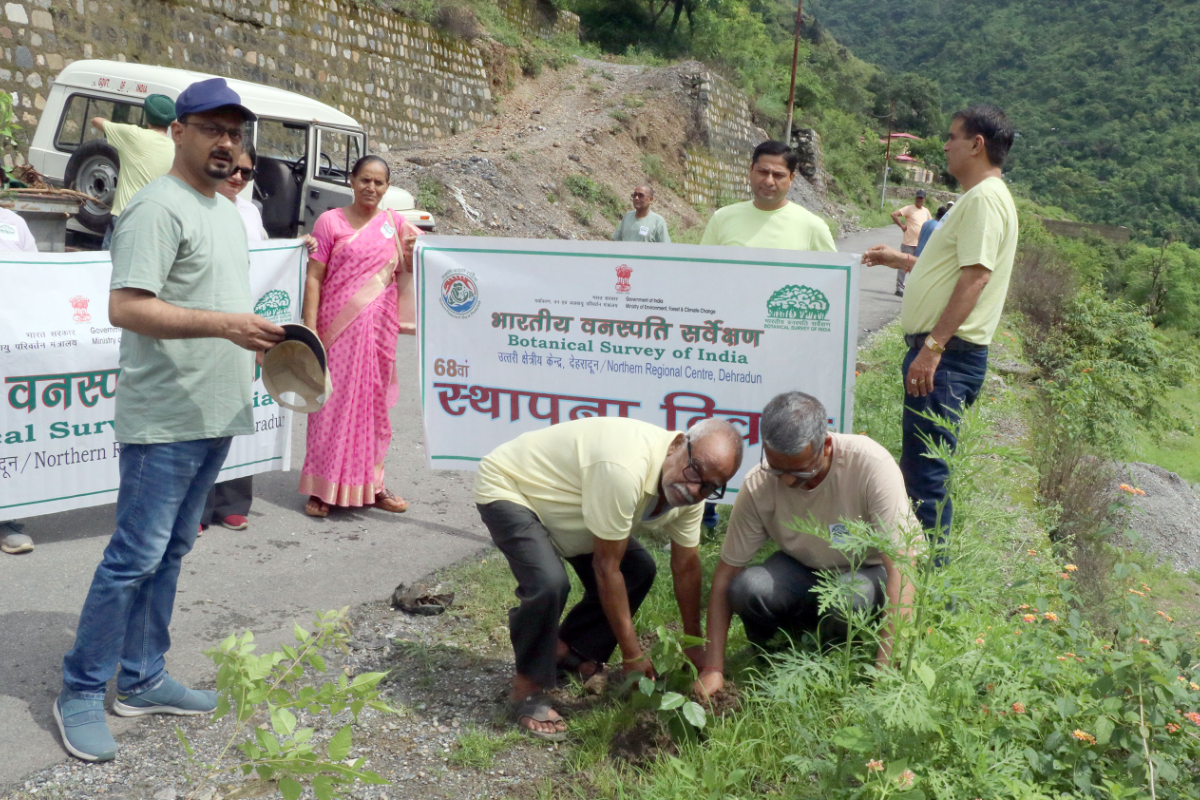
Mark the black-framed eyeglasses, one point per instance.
(248, 174)
(213, 131)
(799, 474)
(691, 474)
(637, 195)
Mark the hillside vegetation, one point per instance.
(1106, 95)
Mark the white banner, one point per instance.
(59, 360)
(517, 334)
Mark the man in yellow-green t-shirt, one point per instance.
(581, 492)
(145, 153)
(953, 302)
(770, 219)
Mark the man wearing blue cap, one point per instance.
(181, 290)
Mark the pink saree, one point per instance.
(358, 319)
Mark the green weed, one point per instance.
(429, 196)
(477, 748)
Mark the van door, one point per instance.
(280, 174)
(335, 153)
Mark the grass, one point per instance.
(1178, 450)
(876, 217)
(429, 196)
(596, 195)
(477, 748)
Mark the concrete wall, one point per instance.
(403, 80)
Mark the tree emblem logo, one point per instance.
(276, 306)
(798, 302)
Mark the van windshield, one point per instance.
(283, 141)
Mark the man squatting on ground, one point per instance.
(953, 303)
(581, 491)
(816, 478)
(181, 290)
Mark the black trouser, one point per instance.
(543, 587)
(228, 498)
(781, 593)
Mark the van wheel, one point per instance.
(93, 170)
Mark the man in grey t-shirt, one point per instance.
(180, 288)
(642, 224)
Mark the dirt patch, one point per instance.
(617, 125)
(1166, 517)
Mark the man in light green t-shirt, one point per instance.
(145, 153)
(952, 304)
(642, 224)
(770, 219)
(180, 289)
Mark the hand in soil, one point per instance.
(708, 685)
(640, 663)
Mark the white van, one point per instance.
(305, 148)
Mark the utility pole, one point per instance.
(887, 155)
(787, 131)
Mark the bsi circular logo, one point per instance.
(460, 294)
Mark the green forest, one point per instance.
(1106, 95)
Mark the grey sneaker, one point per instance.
(169, 697)
(14, 542)
(84, 732)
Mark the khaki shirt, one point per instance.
(595, 477)
(864, 484)
(980, 229)
(914, 218)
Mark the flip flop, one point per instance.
(572, 664)
(537, 708)
(324, 508)
(398, 504)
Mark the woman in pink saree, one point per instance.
(352, 299)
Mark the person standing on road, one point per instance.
(15, 237)
(352, 300)
(929, 227)
(580, 492)
(953, 305)
(229, 501)
(822, 479)
(181, 290)
(642, 224)
(769, 220)
(145, 153)
(910, 219)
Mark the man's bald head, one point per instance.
(642, 197)
(701, 461)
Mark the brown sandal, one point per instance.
(386, 501)
(321, 509)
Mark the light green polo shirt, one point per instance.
(792, 227)
(650, 228)
(190, 251)
(145, 155)
(588, 479)
(980, 229)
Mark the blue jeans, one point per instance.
(956, 384)
(128, 608)
(106, 244)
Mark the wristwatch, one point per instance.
(932, 344)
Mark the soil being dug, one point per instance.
(1167, 516)
(563, 154)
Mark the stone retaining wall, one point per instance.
(717, 166)
(403, 80)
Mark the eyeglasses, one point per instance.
(638, 195)
(213, 131)
(691, 474)
(247, 173)
(799, 474)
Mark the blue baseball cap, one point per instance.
(208, 95)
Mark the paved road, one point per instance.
(285, 567)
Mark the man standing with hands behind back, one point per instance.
(642, 224)
(910, 219)
(953, 304)
(181, 290)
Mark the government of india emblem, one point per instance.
(623, 273)
(80, 304)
